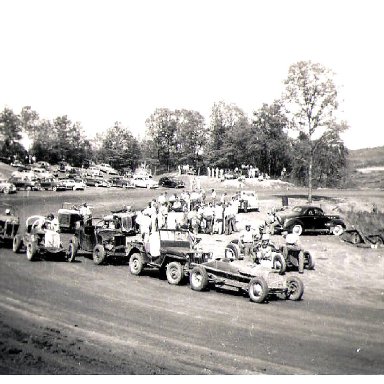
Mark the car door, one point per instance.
(307, 217)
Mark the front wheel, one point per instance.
(72, 251)
(174, 272)
(136, 263)
(17, 243)
(198, 278)
(295, 288)
(98, 254)
(31, 251)
(232, 251)
(258, 289)
(337, 230)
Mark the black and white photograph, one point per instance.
(192, 188)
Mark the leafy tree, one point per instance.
(311, 101)
(119, 148)
(10, 134)
(161, 128)
(269, 144)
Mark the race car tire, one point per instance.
(17, 243)
(297, 229)
(232, 251)
(31, 251)
(337, 230)
(198, 278)
(308, 261)
(98, 254)
(279, 263)
(72, 251)
(295, 288)
(136, 263)
(258, 289)
(174, 272)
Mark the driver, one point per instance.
(265, 250)
(52, 223)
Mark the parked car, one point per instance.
(171, 182)
(41, 173)
(70, 184)
(172, 254)
(17, 164)
(308, 218)
(6, 187)
(248, 200)
(38, 240)
(121, 182)
(106, 168)
(144, 182)
(43, 164)
(259, 282)
(93, 171)
(24, 183)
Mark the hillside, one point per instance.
(367, 157)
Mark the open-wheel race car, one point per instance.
(9, 225)
(171, 252)
(106, 238)
(259, 282)
(39, 239)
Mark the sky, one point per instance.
(118, 60)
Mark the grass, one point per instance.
(368, 222)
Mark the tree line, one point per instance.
(298, 132)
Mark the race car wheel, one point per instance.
(258, 289)
(198, 278)
(279, 263)
(72, 251)
(337, 230)
(17, 243)
(98, 254)
(232, 251)
(174, 272)
(297, 229)
(31, 251)
(136, 263)
(295, 288)
(308, 261)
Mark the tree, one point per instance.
(161, 128)
(269, 144)
(119, 148)
(311, 102)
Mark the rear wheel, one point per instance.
(136, 263)
(279, 263)
(31, 251)
(6, 191)
(198, 278)
(308, 261)
(295, 288)
(258, 289)
(174, 272)
(17, 243)
(98, 254)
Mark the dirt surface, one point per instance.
(79, 318)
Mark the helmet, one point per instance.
(7, 211)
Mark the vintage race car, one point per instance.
(9, 225)
(104, 238)
(258, 281)
(68, 215)
(171, 256)
(39, 240)
(303, 218)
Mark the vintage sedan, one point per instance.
(24, 183)
(308, 218)
(171, 182)
(143, 181)
(7, 187)
(70, 184)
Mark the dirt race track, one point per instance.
(79, 318)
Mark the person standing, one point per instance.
(246, 240)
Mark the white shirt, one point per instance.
(247, 236)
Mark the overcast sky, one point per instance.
(104, 61)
